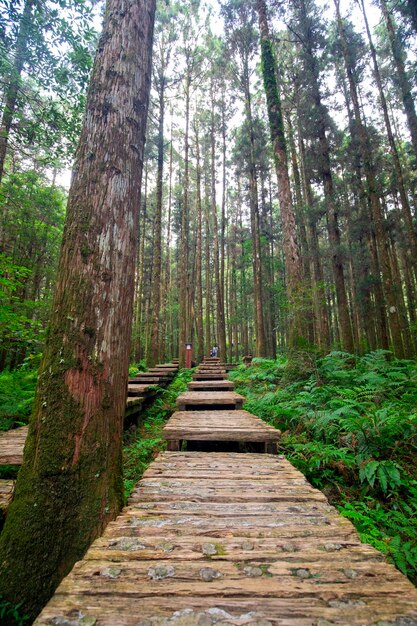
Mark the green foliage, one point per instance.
(351, 428)
(17, 390)
(33, 216)
(10, 615)
(139, 453)
(138, 367)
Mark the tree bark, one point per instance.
(70, 484)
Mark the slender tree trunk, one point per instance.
(322, 327)
(254, 210)
(70, 484)
(12, 89)
(412, 8)
(207, 263)
(184, 326)
(297, 335)
(328, 186)
(406, 210)
(220, 321)
(157, 241)
(391, 294)
(402, 78)
(199, 254)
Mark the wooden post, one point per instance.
(188, 355)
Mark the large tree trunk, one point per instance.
(70, 484)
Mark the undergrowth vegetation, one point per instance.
(17, 390)
(148, 441)
(351, 428)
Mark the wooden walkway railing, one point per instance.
(230, 539)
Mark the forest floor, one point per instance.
(350, 427)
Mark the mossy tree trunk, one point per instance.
(297, 335)
(70, 484)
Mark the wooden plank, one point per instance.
(209, 376)
(213, 398)
(6, 492)
(152, 378)
(142, 388)
(211, 385)
(178, 557)
(11, 446)
(232, 425)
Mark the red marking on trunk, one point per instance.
(88, 393)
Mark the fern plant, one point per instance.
(351, 428)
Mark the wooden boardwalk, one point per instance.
(230, 539)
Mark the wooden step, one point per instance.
(6, 492)
(209, 376)
(236, 426)
(215, 539)
(212, 398)
(211, 385)
(147, 391)
(11, 446)
(151, 378)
